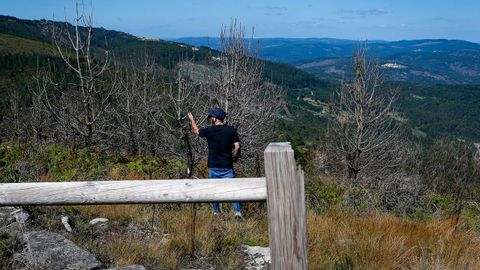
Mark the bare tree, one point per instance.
(449, 169)
(250, 102)
(168, 107)
(39, 122)
(477, 153)
(25, 122)
(81, 109)
(15, 113)
(363, 133)
(131, 126)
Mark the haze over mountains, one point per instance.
(423, 61)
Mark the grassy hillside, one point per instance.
(123, 45)
(17, 45)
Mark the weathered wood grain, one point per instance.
(286, 208)
(133, 191)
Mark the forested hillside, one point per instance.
(421, 61)
(431, 111)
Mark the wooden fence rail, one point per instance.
(134, 191)
(282, 188)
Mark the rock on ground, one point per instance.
(345, 242)
(21, 216)
(201, 263)
(130, 267)
(48, 250)
(257, 258)
(96, 221)
(6, 216)
(66, 223)
(13, 219)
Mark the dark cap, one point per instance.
(218, 113)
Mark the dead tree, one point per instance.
(131, 127)
(82, 107)
(363, 133)
(168, 107)
(15, 113)
(39, 123)
(449, 169)
(249, 101)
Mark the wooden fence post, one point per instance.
(286, 208)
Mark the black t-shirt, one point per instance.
(220, 140)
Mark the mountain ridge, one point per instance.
(421, 58)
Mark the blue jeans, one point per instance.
(223, 173)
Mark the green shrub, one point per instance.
(442, 202)
(9, 245)
(323, 194)
(18, 163)
(471, 218)
(68, 164)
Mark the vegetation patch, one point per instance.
(9, 245)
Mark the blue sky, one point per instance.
(351, 19)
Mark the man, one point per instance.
(221, 138)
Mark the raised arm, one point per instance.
(195, 128)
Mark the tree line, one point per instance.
(93, 99)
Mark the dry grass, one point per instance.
(160, 236)
(338, 240)
(136, 234)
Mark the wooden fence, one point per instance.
(282, 188)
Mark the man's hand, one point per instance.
(195, 128)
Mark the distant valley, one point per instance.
(420, 61)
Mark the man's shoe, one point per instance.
(238, 216)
